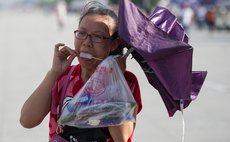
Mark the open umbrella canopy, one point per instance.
(161, 48)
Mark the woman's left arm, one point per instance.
(123, 132)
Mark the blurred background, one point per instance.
(29, 29)
(213, 14)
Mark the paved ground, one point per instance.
(26, 48)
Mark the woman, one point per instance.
(95, 36)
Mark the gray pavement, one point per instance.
(26, 49)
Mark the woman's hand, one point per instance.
(121, 61)
(63, 57)
(37, 106)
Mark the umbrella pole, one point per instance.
(183, 122)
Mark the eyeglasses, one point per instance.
(82, 35)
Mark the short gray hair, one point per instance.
(97, 8)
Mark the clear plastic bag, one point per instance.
(104, 100)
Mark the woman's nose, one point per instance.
(88, 42)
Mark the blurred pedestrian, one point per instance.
(61, 13)
(200, 16)
(187, 17)
(211, 18)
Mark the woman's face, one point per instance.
(97, 25)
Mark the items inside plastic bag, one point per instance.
(104, 100)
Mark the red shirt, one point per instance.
(75, 84)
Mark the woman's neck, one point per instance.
(86, 74)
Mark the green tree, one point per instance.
(146, 4)
(68, 1)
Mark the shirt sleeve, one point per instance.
(56, 92)
(134, 87)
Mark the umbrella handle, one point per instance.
(130, 50)
(183, 121)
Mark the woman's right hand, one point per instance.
(63, 57)
(37, 106)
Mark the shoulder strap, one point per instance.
(64, 90)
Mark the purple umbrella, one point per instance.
(161, 48)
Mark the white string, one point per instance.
(183, 121)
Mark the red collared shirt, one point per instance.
(75, 84)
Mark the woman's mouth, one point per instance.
(88, 56)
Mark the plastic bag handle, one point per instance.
(130, 50)
(64, 91)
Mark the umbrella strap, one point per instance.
(183, 122)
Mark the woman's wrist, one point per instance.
(52, 74)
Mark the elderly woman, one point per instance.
(96, 35)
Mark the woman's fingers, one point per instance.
(121, 62)
(57, 46)
(70, 53)
(64, 51)
(71, 57)
(63, 57)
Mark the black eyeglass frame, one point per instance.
(91, 36)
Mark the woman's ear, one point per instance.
(115, 43)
